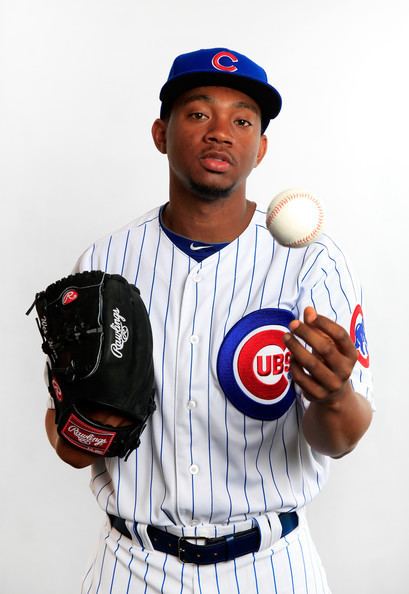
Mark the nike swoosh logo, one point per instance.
(195, 248)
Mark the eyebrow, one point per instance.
(208, 99)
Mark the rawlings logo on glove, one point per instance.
(97, 335)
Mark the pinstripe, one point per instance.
(273, 572)
(107, 256)
(115, 564)
(329, 296)
(97, 476)
(290, 566)
(208, 390)
(312, 299)
(103, 487)
(257, 467)
(283, 278)
(313, 565)
(286, 458)
(151, 482)
(227, 462)
(118, 487)
(135, 487)
(252, 271)
(244, 460)
(234, 285)
(300, 455)
(190, 398)
(130, 571)
(164, 573)
(85, 578)
(102, 567)
(217, 578)
(198, 579)
(163, 365)
(304, 566)
(265, 278)
(339, 277)
(255, 572)
(107, 501)
(311, 268)
(181, 577)
(149, 309)
(92, 256)
(346, 264)
(271, 466)
(302, 265)
(140, 255)
(236, 576)
(125, 250)
(154, 272)
(146, 571)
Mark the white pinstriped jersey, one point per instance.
(201, 461)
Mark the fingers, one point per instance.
(328, 340)
(325, 368)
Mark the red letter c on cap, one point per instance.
(216, 61)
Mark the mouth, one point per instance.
(216, 161)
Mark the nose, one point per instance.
(219, 131)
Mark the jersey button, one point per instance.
(191, 404)
(193, 469)
(194, 339)
(197, 277)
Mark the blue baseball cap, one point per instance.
(222, 67)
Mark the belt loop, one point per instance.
(270, 529)
(229, 542)
(144, 536)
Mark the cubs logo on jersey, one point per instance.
(358, 336)
(253, 364)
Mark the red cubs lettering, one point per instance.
(273, 364)
(69, 296)
(219, 66)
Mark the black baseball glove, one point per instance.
(97, 335)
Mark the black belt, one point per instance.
(213, 550)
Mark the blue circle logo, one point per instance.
(253, 364)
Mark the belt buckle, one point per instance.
(183, 541)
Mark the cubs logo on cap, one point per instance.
(224, 61)
(358, 336)
(253, 364)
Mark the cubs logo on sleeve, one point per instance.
(358, 336)
(253, 364)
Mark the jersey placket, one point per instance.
(190, 410)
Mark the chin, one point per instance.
(210, 193)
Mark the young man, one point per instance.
(213, 499)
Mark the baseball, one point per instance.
(295, 218)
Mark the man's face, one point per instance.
(213, 140)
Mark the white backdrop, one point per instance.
(79, 91)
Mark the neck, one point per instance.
(218, 221)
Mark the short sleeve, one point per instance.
(328, 283)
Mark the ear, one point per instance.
(262, 149)
(159, 135)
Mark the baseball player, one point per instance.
(261, 376)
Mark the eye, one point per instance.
(197, 115)
(243, 123)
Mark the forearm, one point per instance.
(334, 427)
